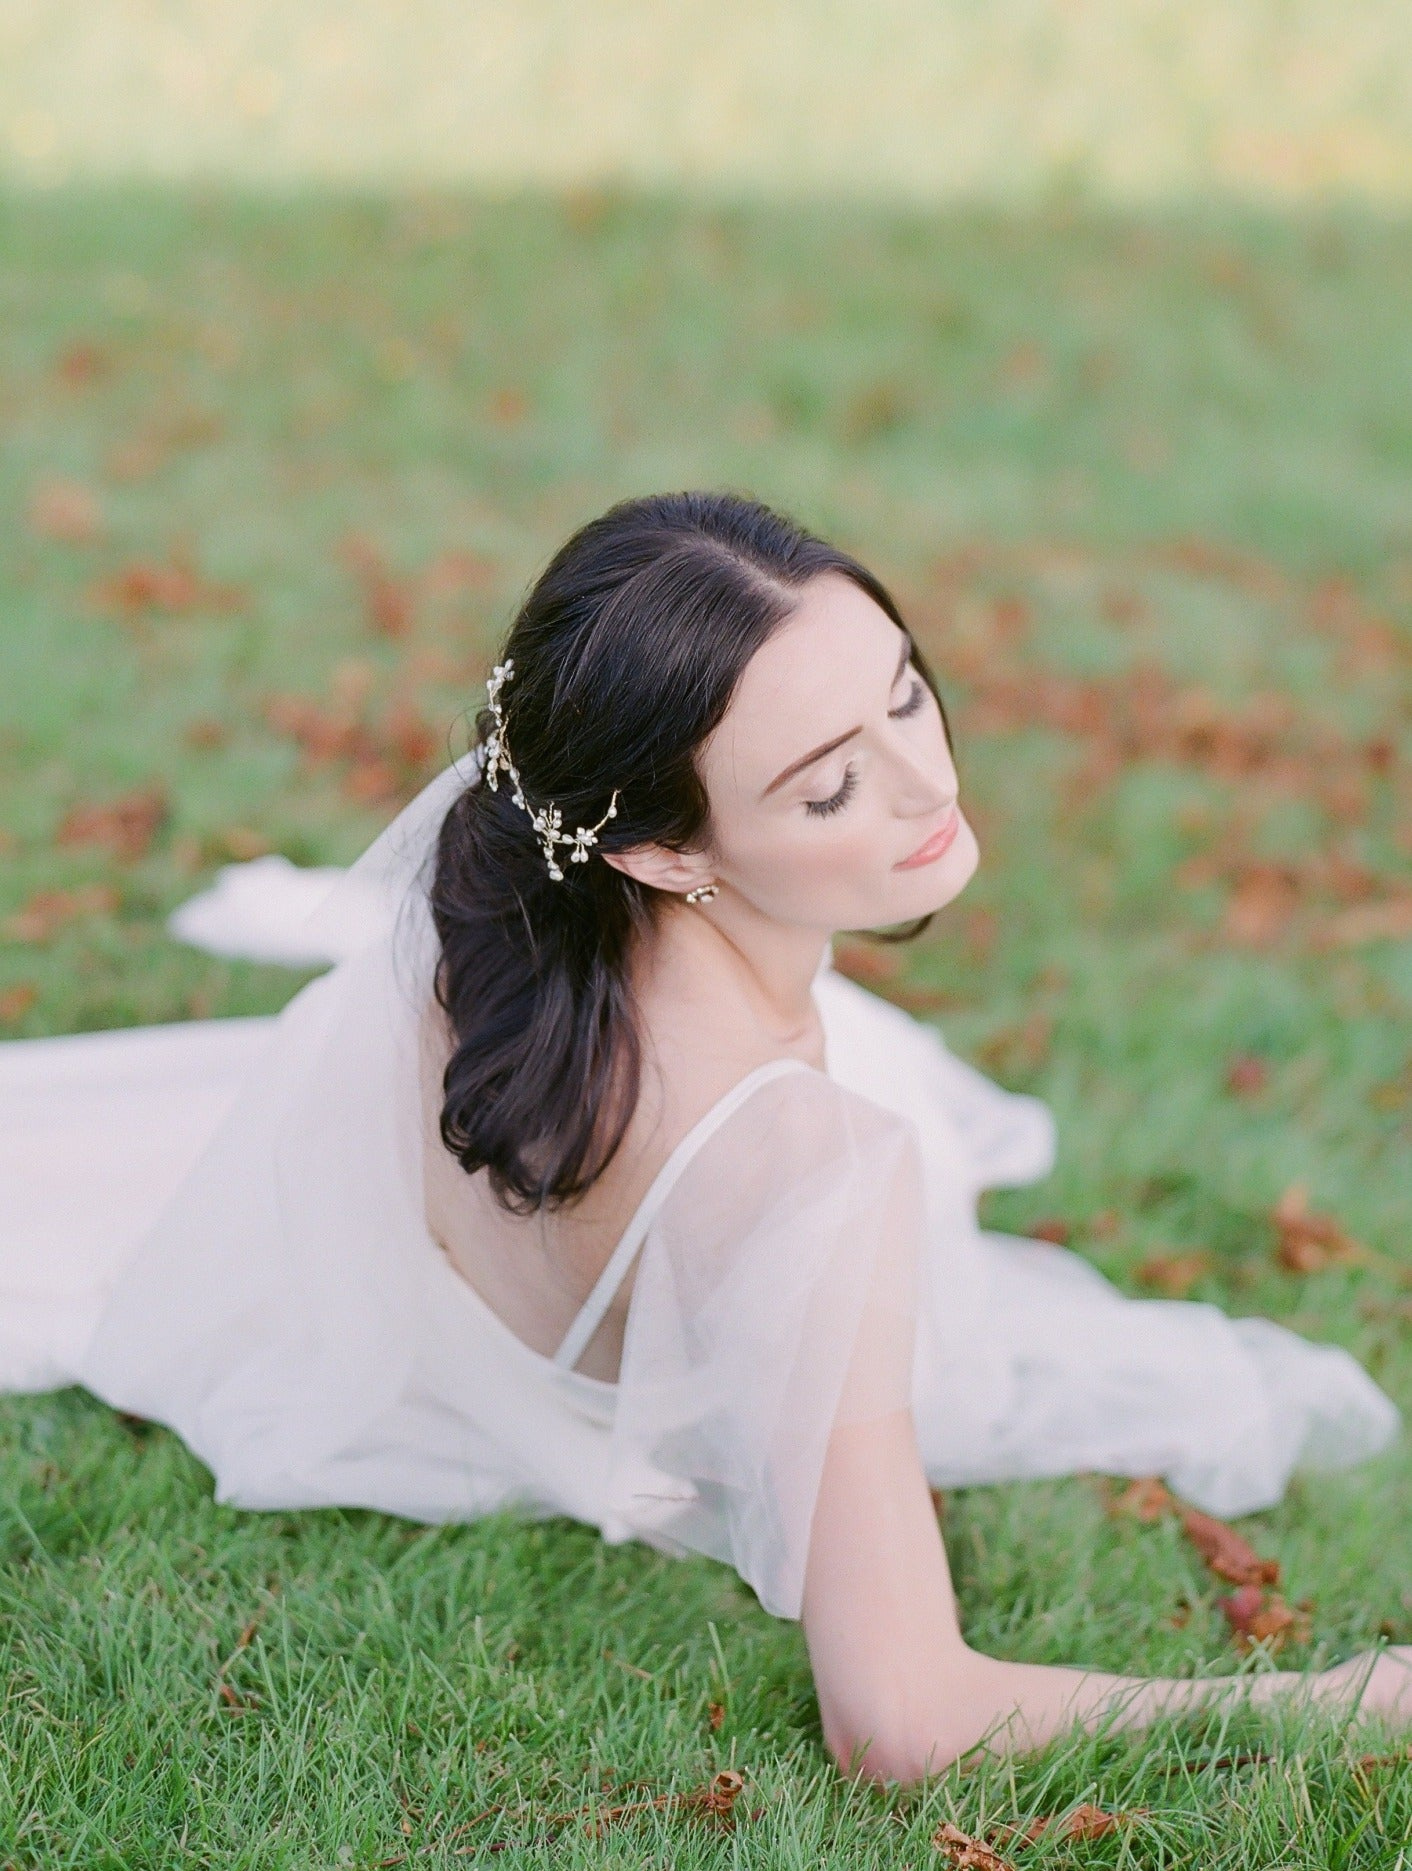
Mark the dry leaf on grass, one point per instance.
(865, 963)
(1175, 1274)
(389, 598)
(1369, 1763)
(65, 511)
(1146, 1498)
(163, 434)
(1256, 1616)
(172, 585)
(1228, 1554)
(876, 968)
(715, 1802)
(205, 732)
(1019, 1049)
(79, 364)
(965, 1853)
(1263, 901)
(1084, 1822)
(386, 755)
(1387, 921)
(1051, 1228)
(125, 826)
(1254, 1612)
(16, 1001)
(1308, 1241)
(49, 911)
(1247, 1074)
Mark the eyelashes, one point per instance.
(822, 808)
(912, 704)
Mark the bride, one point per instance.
(582, 1182)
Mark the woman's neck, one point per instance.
(697, 956)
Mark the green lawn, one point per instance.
(278, 471)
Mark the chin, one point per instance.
(932, 886)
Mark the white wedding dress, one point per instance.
(221, 1225)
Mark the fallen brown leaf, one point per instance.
(125, 826)
(1175, 1274)
(372, 783)
(865, 962)
(16, 1001)
(1051, 1228)
(79, 364)
(1262, 904)
(508, 406)
(1368, 1763)
(234, 1700)
(1308, 1241)
(137, 457)
(1387, 921)
(1145, 1498)
(1084, 1822)
(1021, 1048)
(1228, 1553)
(408, 734)
(1256, 1616)
(389, 598)
(1247, 1074)
(172, 585)
(65, 511)
(323, 733)
(966, 1853)
(714, 1802)
(205, 732)
(48, 911)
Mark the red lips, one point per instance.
(939, 841)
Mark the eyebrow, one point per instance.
(808, 760)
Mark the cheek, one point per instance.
(822, 859)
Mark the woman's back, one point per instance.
(702, 1033)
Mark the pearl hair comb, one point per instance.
(547, 821)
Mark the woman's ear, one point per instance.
(661, 868)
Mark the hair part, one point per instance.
(627, 652)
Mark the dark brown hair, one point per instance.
(626, 654)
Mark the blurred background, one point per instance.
(1085, 323)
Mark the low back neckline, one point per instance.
(560, 1365)
(591, 1314)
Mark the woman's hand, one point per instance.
(1385, 1678)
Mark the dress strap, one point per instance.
(590, 1315)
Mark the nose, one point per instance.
(924, 786)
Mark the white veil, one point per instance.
(274, 1264)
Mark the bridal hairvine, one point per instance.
(548, 821)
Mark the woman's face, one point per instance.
(830, 779)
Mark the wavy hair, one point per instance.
(627, 651)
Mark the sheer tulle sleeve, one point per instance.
(775, 1296)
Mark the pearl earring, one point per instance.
(703, 893)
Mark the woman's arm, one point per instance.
(901, 1694)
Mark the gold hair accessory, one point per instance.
(547, 821)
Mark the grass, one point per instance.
(315, 449)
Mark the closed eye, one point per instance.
(820, 808)
(911, 705)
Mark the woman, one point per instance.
(583, 1182)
